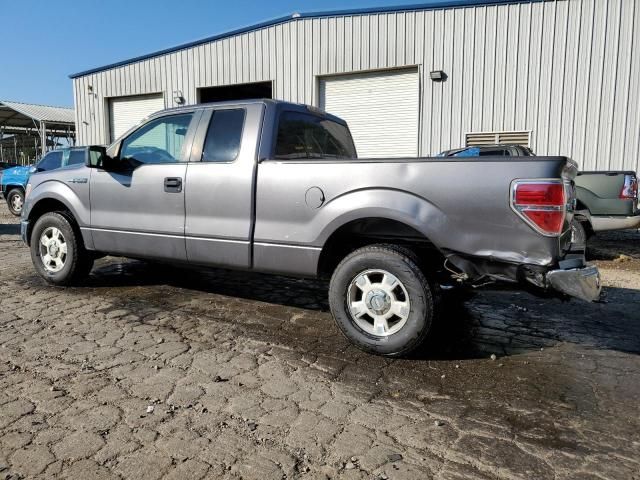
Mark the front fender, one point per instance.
(56, 190)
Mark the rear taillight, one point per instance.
(630, 188)
(542, 204)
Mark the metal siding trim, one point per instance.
(632, 141)
(436, 5)
(614, 52)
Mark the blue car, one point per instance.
(14, 180)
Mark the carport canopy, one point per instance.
(23, 118)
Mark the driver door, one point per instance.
(137, 208)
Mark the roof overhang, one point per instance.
(430, 5)
(17, 117)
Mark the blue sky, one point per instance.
(48, 40)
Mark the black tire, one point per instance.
(15, 201)
(401, 263)
(77, 263)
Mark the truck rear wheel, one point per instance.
(381, 300)
(57, 251)
(15, 201)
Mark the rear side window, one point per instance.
(302, 135)
(499, 152)
(51, 161)
(224, 136)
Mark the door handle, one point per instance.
(173, 184)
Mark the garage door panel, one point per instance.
(381, 109)
(126, 112)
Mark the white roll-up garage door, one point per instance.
(381, 109)
(125, 112)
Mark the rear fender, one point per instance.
(404, 207)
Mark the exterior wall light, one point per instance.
(438, 76)
(178, 97)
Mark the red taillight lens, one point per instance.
(541, 194)
(548, 221)
(541, 204)
(630, 188)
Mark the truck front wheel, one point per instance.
(381, 300)
(15, 201)
(57, 252)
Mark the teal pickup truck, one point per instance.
(13, 181)
(607, 200)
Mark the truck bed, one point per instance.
(461, 204)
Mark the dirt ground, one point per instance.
(154, 372)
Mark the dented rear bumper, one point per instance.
(582, 282)
(571, 276)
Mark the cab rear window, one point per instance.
(302, 135)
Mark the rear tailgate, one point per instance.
(600, 193)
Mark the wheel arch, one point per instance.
(12, 186)
(369, 230)
(57, 198)
(369, 216)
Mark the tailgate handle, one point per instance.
(173, 185)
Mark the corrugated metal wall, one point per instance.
(567, 70)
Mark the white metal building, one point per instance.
(561, 76)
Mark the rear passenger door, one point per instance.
(220, 186)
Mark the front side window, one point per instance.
(159, 141)
(302, 135)
(223, 136)
(51, 161)
(73, 157)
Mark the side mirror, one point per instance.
(97, 158)
(33, 169)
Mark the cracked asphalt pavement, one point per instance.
(156, 372)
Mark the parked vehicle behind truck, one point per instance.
(14, 180)
(607, 200)
(277, 187)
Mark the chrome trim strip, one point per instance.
(156, 234)
(220, 240)
(133, 232)
(208, 239)
(287, 245)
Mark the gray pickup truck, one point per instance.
(277, 187)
